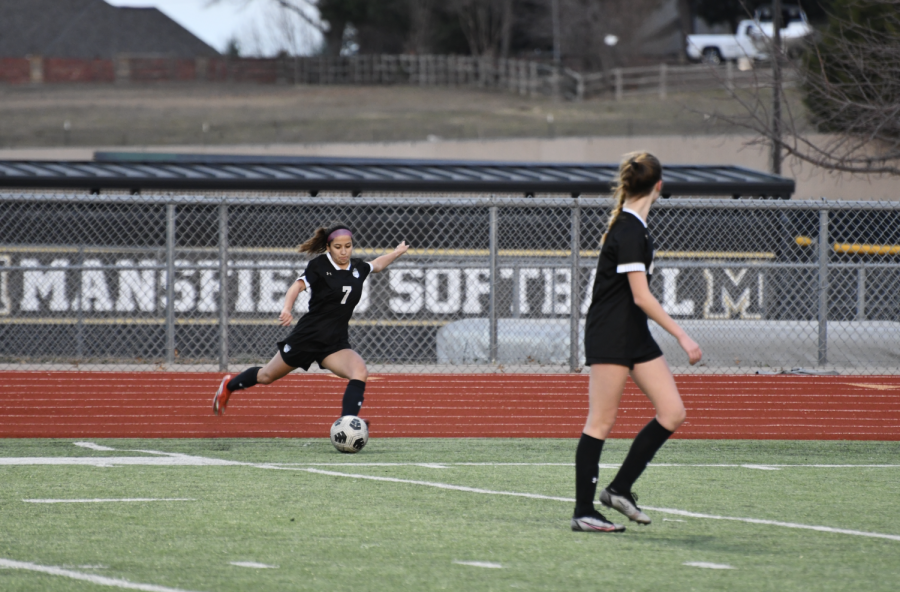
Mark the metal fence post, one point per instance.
(79, 331)
(861, 294)
(575, 293)
(223, 288)
(823, 286)
(170, 284)
(495, 276)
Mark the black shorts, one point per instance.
(629, 362)
(304, 359)
(598, 351)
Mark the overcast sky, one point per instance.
(227, 19)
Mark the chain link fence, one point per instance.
(195, 283)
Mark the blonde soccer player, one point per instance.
(618, 342)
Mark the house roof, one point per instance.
(92, 29)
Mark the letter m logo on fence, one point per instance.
(731, 294)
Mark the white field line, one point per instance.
(443, 465)
(102, 501)
(487, 564)
(178, 459)
(862, 533)
(182, 459)
(252, 564)
(876, 535)
(92, 446)
(77, 575)
(706, 565)
(112, 461)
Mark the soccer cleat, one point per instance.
(220, 401)
(595, 522)
(627, 504)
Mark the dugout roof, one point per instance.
(191, 172)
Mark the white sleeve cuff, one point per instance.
(629, 267)
(306, 283)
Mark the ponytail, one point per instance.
(319, 241)
(638, 174)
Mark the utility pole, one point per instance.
(557, 54)
(776, 87)
(554, 8)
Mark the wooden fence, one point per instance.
(663, 79)
(524, 77)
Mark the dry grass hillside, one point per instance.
(170, 114)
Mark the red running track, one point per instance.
(178, 405)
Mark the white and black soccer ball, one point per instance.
(349, 434)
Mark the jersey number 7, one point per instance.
(347, 290)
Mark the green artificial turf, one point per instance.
(326, 532)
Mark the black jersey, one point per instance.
(334, 293)
(616, 328)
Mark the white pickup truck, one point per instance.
(715, 49)
(751, 39)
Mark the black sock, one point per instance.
(646, 443)
(587, 457)
(353, 398)
(245, 379)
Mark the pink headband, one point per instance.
(339, 232)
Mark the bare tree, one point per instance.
(486, 24)
(300, 8)
(585, 24)
(288, 25)
(850, 79)
(420, 12)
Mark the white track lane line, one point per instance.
(103, 501)
(77, 575)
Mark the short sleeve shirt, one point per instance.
(615, 325)
(334, 293)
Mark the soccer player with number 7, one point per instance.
(335, 281)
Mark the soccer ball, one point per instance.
(349, 434)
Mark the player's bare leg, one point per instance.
(275, 369)
(607, 383)
(350, 365)
(347, 364)
(657, 382)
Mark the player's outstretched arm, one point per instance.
(645, 299)
(380, 263)
(286, 318)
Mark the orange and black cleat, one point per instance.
(220, 401)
